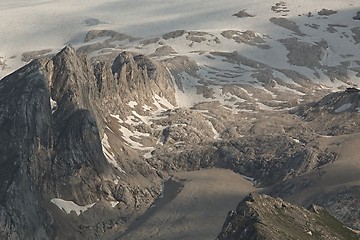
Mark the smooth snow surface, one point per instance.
(69, 206)
(45, 24)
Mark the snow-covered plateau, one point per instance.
(276, 46)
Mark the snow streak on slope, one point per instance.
(69, 206)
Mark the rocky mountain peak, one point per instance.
(53, 113)
(142, 78)
(264, 217)
(71, 78)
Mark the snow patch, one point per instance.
(131, 120)
(343, 108)
(110, 157)
(287, 89)
(117, 117)
(69, 206)
(113, 203)
(264, 107)
(53, 105)
(251, 179)
(132, 104)
(163, 101)
(144, 119)
(146, 108)
(127, 134)
(148, 154)
(216, 133)
(187, 96)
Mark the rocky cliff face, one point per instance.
(52, 117)
(26, 151)
(264, 217)
(335, 114)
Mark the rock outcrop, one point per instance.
(53, 113)
(335, 114)
(264, 217)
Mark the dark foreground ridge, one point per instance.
(267, 218)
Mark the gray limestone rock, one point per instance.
(49, 152)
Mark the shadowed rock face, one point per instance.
(44, 154)
(264, 217)
(141, 78)
(335, 114)
(48, 152)
(25, 152)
